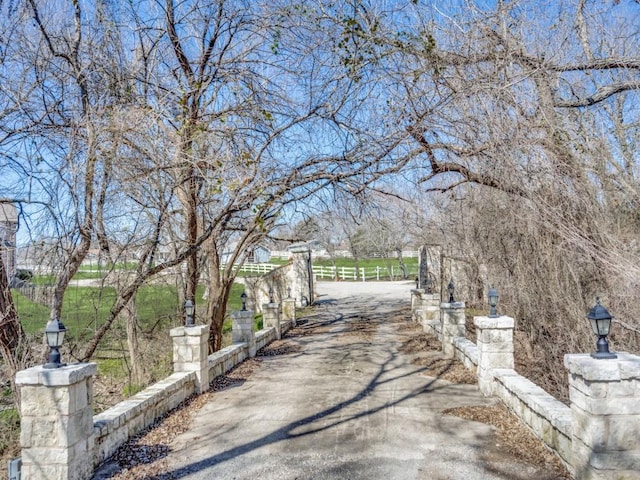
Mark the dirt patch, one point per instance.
(513, 436)
(361, 327)
(446, 369)
(420, 343)
(279, 347)
(400, 315)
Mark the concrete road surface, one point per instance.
(345, 405)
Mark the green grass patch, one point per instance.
(43, 279)
(85, 309)
(365, 262)
(33, 316)
(258, 322)
(80, 275)
(9, 433)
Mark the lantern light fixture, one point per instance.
(189, 311)
(54, 335)
(493, 302)
(600, 319)
(243, 297)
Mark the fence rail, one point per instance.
(345, 254)
(363, 274)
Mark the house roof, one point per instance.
(8, 212)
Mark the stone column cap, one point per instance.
(417, 290)
(242, 313)
(494, 322)
(56, 377)
(625, 367)
(431, 296)
(452, 305)
(194, 331)
(270, 305)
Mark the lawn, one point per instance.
(85, 309)
(366, 262)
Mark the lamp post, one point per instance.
(600, 319)
(189, 311)
(270, 294)
(54, 335)
(451, 287)
(288, 292)
(243, 297)
(417, 283)
(493, 302)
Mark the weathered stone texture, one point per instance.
(190, 350)
(56, 422)
(453, 325)
(289, 310)
(605, 416)
(271, 317)
(495, 348)
(242, 330)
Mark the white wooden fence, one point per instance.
(364, 274)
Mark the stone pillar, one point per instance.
(190, 352)
(416, 301)
(242, 329)
(495, 348)
(429, 314)
(302, 273)
(56, 426)
(271, 317)
(289, 310)
(453, 325)
(605, 416)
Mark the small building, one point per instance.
(8, 229)
(258, 254)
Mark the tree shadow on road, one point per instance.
(305, 426)
(390, 369)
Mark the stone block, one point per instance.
(609, 405)
(495, 337)
(501, 322)
(495, 360)
(53, 377)
(625, 367)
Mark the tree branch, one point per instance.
(601, 94)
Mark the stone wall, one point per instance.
(548, 418)
(289, 279)
(466, 352)
(115, 426)
(596, 436)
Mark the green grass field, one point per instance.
(85, 310)
(365, 262)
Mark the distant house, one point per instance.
(8, 229)
(257, 254)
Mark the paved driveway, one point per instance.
(344, 404)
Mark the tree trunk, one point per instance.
(10, 331)
(129, 314)
(216, 310)
(217, 298)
